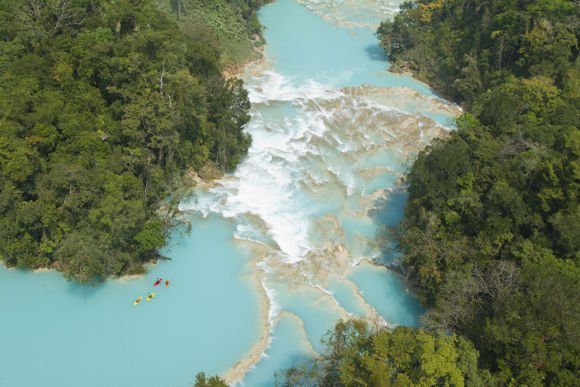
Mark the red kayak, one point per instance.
(158, 281)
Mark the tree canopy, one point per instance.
(231, 25)
(104, 106)
(462, 48)
(212, 381)
(355, 355)
(490, 235)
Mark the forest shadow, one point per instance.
(84, 291)
(375, 52)
(387, 213)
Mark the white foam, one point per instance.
(366, 13)
(266, 183)
(274, 309)
(308, 151)
(272, 86)
(247, 232)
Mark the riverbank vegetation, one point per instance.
(490, 232)
(104, 107)
(356, 355)
(230, 25)
(208, 381)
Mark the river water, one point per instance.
(279, 250)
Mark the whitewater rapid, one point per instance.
(324, 159)
(347, 13)
(332, 134)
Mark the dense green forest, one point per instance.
(232, 25)
(491, 230)
(357, 355)
(490, 233)
(104, 106)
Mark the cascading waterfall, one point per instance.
(324, 156)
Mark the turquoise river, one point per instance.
(278, 251)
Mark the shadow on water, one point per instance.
(53, 278)
(375, 52)
(390, 211)
(387, 214)
(409, 306)
(84, 291)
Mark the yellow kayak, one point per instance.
(150, 296)
(138, 300)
